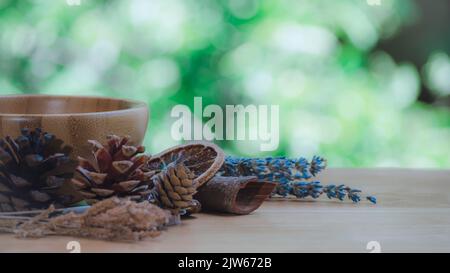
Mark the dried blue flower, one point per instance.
(290, 176)
(317, 165)
(372, 199)
(315, 189)
(280, 168)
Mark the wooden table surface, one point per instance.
(413, 215)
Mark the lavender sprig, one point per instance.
(273, 168)
(290, 174)
(314, 189)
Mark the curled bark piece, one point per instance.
(237, 195)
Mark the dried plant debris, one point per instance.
(202, 158)
(33, 170)
(115, 219)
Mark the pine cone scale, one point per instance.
(128, 185)
(88, 195)
(125, 152)
(19, 181)
(97, 178)
(86, 165)
(181, 190)
(80, 183)
(103, 159)
(12, 148)
(122, 167)
(186, 182)
(142, 190)
(40, 196)
(181, 204)
(19, 204)
(53, 182)
(3, 198)
(167, 183)
(103, 192)
(174, 196)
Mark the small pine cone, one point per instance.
(118, 169)
(174, 188)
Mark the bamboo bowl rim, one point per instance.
(131, 105)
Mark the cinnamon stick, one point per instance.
(237, 195)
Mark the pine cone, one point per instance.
(118, 170)
(174, 188)
(33, 168)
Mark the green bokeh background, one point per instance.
(341, 94)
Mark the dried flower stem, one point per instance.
(110, 219)
(291, 175)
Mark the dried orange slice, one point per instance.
(203, 158)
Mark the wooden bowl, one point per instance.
(74, 119)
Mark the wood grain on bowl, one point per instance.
(73, 119)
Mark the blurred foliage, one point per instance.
(339, 95)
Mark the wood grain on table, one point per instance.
(413, 215)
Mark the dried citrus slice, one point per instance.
(204, 159)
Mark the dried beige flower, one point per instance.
(110, 219)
